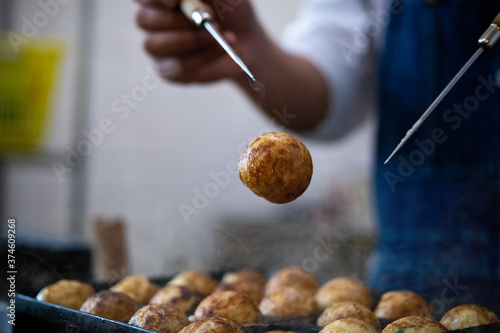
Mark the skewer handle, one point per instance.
(196, 10)
(491, 35)
(497, 20)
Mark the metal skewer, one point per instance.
(486, 41)
(197, 12)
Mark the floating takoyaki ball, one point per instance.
(276, 166)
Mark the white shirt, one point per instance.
(343, 39)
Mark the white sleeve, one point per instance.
(341, 37)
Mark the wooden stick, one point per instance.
(110, 249)
(497, 20)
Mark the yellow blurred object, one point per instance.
(27, 80)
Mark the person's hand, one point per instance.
(186, 53)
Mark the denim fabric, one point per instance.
(439, 198)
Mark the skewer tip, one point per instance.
(393, 153)
(250, 75)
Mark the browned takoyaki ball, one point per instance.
(161, 318)
(415, 324)
(183, 297)
(68, 293)
(402, 303)
(342, 289)
(212, 325)
(292, 277)
(289, 302)
(111, 305)
(349, 325)
(468, 315)
(248, 289)
(230, 305)
(341, 310)
(200, 281)
(276, 166)
(248, 275)
(138, 287)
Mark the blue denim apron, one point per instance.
(438, 199)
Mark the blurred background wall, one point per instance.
(155, 146)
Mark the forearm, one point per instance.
(296, 93)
